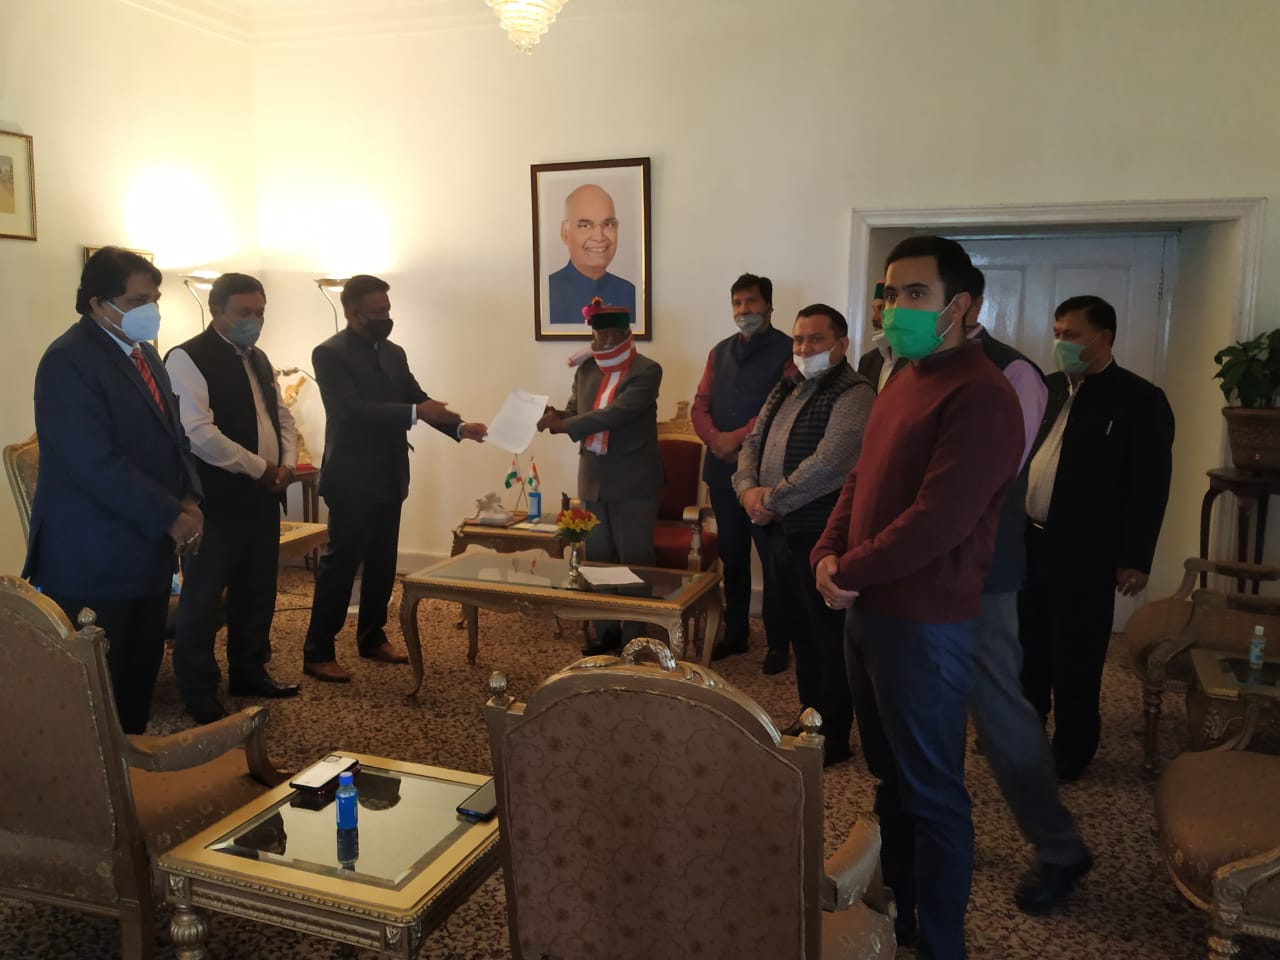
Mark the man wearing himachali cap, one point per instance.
(613, 414)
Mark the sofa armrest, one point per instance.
(852, 873)
(191, 748)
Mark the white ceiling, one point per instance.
(266, 22)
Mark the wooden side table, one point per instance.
(1252, 492)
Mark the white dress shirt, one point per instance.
(212, 445)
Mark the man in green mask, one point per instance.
(907, 550)
(1097, 486)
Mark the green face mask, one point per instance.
(914, 333)
(1066, 354)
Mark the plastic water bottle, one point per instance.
(1257, 645)
(346, 801)
(535, 505)
(348, 848)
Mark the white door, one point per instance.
(1027, 277)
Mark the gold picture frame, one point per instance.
(17, 186)
(146, 255)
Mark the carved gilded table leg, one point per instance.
(187, 928)
(675, 630)
(412, 638)
(711, 606)
(472, 616)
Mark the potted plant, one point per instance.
(1249, 371)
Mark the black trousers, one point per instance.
(735, 533)
(239, 554)
(135, 636)
(624, 535)
(1064, 625)
(359, 532)
(816, 633)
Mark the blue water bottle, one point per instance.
(346, 801)
(535, 504)
(1257, 648)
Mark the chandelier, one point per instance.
(526, 20)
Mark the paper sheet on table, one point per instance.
(517, 421)
(609, 576)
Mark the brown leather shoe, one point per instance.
(327, 671)
(385, 654)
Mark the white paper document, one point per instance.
(517, 421)
(609, 576)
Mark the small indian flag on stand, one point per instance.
(513, 476)
(533, 483)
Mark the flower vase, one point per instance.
(576, 580)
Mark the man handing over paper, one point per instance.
(613, 414)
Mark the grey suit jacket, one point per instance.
(632, 467)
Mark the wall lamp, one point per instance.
(199, 280)
(327, 284)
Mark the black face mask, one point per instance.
(378, 329)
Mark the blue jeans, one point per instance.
(911, 684)
(1014, 740)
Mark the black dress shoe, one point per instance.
(1046, 885)
(836, 751)
(775, 661)
(728, 647)
(609, 642)
(261, 686)
(206, 709)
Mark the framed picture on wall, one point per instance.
(146, 255)
(590, 239)
(17, 187)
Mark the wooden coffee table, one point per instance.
(1231, 692)
(280, 860)
(538, 585)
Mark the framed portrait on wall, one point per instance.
(590, 239)
(17, 187)
(146, 255)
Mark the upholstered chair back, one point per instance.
(21, 464)
(650, 811)
(66, 809)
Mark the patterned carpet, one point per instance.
(1127, 908)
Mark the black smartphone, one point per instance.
(481, 805)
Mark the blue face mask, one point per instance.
(140, 323)
(244, 331)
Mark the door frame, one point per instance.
(1247, 211)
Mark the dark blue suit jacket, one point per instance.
(113, 471)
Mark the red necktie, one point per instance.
(141, 363)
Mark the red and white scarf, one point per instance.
(613, 364)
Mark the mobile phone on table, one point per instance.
(481, 805)
(320, 775)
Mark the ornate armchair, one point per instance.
(1161, 634)
(88, 808)
(682, 539)
(655, 811)
(21, 464)
(1219, 830)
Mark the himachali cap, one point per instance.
(601, 316)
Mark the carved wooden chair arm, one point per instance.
(852, 873)
(697, 515)
(1233, 882)
(1235, 569)
(199, 745)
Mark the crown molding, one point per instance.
(261, 23)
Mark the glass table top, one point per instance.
(405, 822)
(1223, 675)
(534, 569)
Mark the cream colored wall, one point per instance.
(143, 136)
(767, 123)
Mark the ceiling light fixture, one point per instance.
(526, 20)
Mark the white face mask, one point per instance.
(813, 365)
(749, 324)
(140, 323)
(881, 343)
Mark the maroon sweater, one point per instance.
(915, 524)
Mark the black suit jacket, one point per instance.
(871, 363)
(114, 469)
(1112, 483)
(368, 394)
